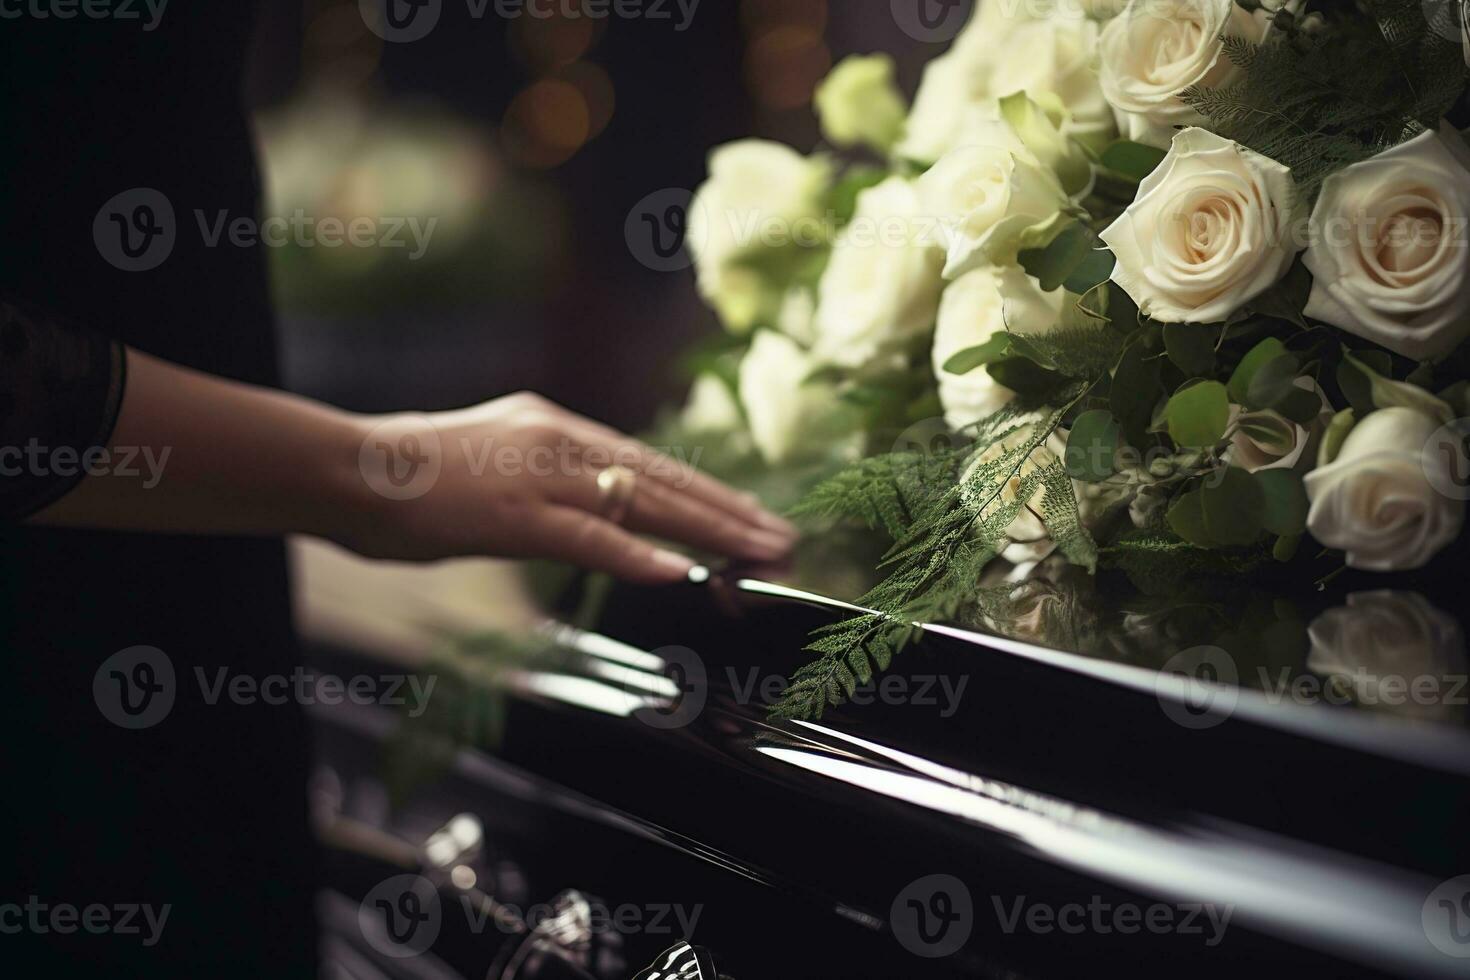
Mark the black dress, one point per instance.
(204, 810)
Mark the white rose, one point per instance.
(798, 316)
(1388, 254)
(1029, 540)
(1056, 59)
(755, 187)
(1211, 228)
(1156, 49)
(1375, 500)
(1268, 440)
(858, 102)
(1390, 636)
(881, 286)
(974, 308)
(711, 406)
(991, 200)
(787, 417)
(1003, 50)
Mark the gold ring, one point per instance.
(616, 486)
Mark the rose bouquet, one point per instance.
(1169, 286)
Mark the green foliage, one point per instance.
(1378, 74)
(948, 511)
(1092, 446)
(1198, 414)
(1133, 160)
(1159, 563)
(1075, 258)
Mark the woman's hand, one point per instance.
(518, 477)
(515, 477)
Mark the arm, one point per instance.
(516, 477)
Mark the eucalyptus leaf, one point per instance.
(1286, 501)
(1133, 160)
(1335, 435)
(1024, 377)
(1071, 258)
(1135, 392)
(1198, 414)
(971, 358)
(1288, 298)
(1286, 547)
(1262, 354)
(1186, 518)
(1384, 392)
(1273, 383)
(1233, 505)
(1092, 446)
(1190, 346)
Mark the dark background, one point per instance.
(566, 123)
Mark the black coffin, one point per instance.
(1003, 810)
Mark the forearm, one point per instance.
(198, 454)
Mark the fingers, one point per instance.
(680, 476)
(585, 539)
(661, 510)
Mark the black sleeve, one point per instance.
(60, 390)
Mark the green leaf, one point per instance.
(1190, 347)
(1286, 502)
(1262, 354)
(842, 199)
(1384, 392)
(971, 358)
(1075, 258)
(1134, 160)
(1187, 519)
(1092, 446)
(1234, 508)
(1197, 415)
(1271, 385)
(1135, 393)
(1336, 434)
(1288, 298)
(1286, 547)
(1024, 347)
(1301, 406)
(1024, 377)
